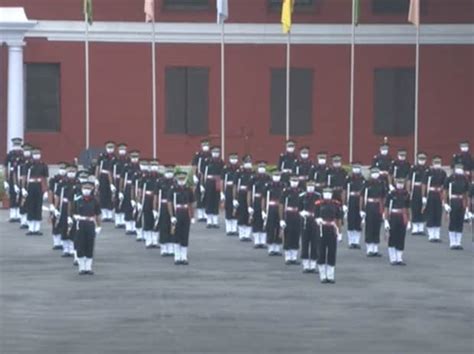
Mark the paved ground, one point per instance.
(231, 299)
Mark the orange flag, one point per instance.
(414, 12)
(149, 10)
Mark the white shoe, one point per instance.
(392, 255)
(322, 273)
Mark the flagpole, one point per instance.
(222, 92)
(86, 53)
(153, 80)
(288, 41)
(417, 76)
(351, 114)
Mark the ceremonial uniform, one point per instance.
(37, 175)
(242, 183)
(354, 186)
(397, 206)
(129, 188)
(12, 179)
(310, 231)
(53, 186)
(199, 163)
(400, 169)
(416, 178)
(148, 213)
(303, 167)
(383, 161)
(228, 177)
(25, 165)
(105, 166)
(373, 193)
(319, 174)
(287, 161)
(65, 194)
(256, 196)
(290, 221)
(212, 188)
(457, 189)
(336, 179)
(117, 174)
(273, 193)
(435, 179)
(164, 187)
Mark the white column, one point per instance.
(15, 113)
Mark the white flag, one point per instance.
(222, 10)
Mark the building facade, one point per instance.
(188, 77)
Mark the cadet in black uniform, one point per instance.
(415, 180)
(212, 187)
(372, 204)
(25, 164)
(397, 220)
(117, 172)
(287, 161)
(354, 185)
(303, 167)
(328, 214)
(12, 178)
(464, 158)
(227, 195)
(180, 206)
(86, 211)
(140, 198)
(255, 201)
(199, 166)
(53, 187)
(290, 220)
(241, 189)
(383, 161)
(148, 213)
(129, 176)
(400, 167)
(456, 205)
(310, 231)
(104, 171)
(164, 187)
(37, 192)
(319, 173)
(271, 216)
(435, 179)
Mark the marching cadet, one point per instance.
(82, 177)
(53, 187)
(180, 207)
(290, 220)
(117, 173)
(287, 161)
(241, 188)
(354, 185)
(319, 173)
(36, 192)
(435, 179)
(255, 197)
(148, 213)
(212, 187)
(127, 194)
(400, 167)
(105, 181)
(140, 199)
(416, 178)
(383, 161)
(310, 231)
(456, 205)
(303, 166)
(372, 205)
(336, 181)
(227, 194)
(199, 166)
(12, 178)
(397, 220)
(86, 211)
(25, 165)
(163, 222)
(328, 214)
(271, 215)
(463, 157)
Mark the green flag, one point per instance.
(356, 11)
(88, 11)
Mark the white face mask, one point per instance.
(337, 164)
(122, 152)
(294, 184)
(134, 160)
(144, 168)
(16, 147)
(181, 182)
(327, 196)
(248, 165)
(399, 185)
(356, 170)
(384, 151)
(304, 156)
(205, 148)
(421, 162)
(290, 150)
(322, 161)
(154, 168)
(310, 189)
(168, 175)
(436, 165)
(62, 172)
(261, 170)
(459, 171)
(233, 161)
(375, 175)
(215, 155)
(27, 153)
(86, 192)
(109, 150)
(276, 178)
(465, 149)
(36, 157)
(71, 174)
(402, 158)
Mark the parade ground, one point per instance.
(230, 299)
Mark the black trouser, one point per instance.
(164, 224)
(292, 231)
(354, 221)
(416, 205)
(105, 194)
(183, 225)
(211, 197)
(118, 208)
(456, 215)
(85, 237)
(257, 219)
(199, 197)
(34, 201)
(62, 224)
(310, 239)
(398, 229)
(242, 210)
(12, 195)
(373, 222)
(328, 246)
(147, 212)
(433, 210)
(273, 225)
(229, 200)
(127, 203)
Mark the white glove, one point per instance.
(447, 207)
(250, 210)
(409, 225)
(16, 189)
(195, 179)
(139, 206)
(202, 189)
(424, 200)
(52, 208)
(222, 196)
(319, 221)
(56, 213)
(174, 220)
(96, 183)
(304, 213)
(362, 214)
(235, 203)
(193, 220)
(264, 215)
(121, 196)
(155, 214)
(391, 187)
(69, 220)
(24, 193)
(471, 215)
(98, 229)
(386, 225)
(345, 209)
(45, 196)
(339, 237)
(133, 203)
(112, 188)
(282, 224)
(6, 186)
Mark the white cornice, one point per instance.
(202, 33)
(13, 25)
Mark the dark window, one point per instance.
(301, 102)
(186, 4)
(394, 101)
(390, 6)
(42, 97)
(299, 4)
(187, 100)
